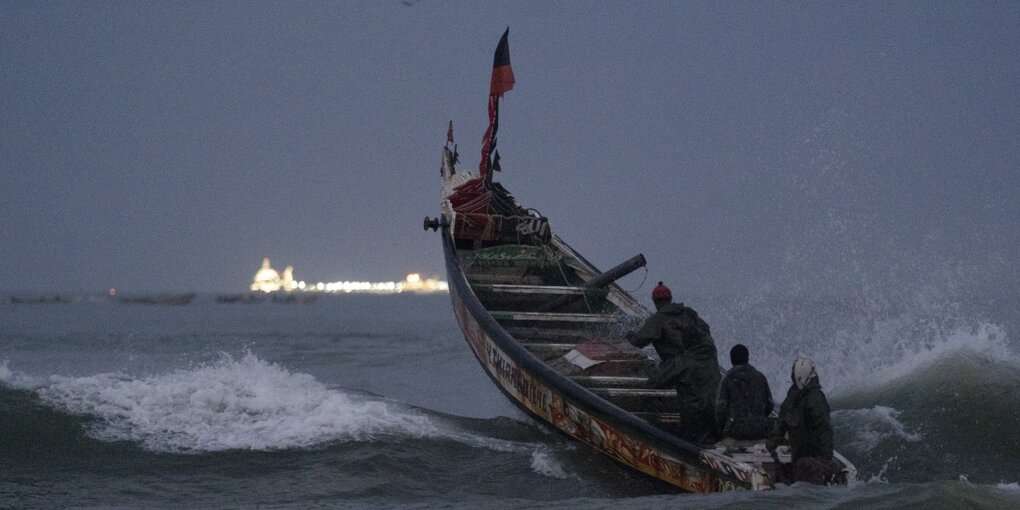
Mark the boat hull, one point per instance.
(570, 409)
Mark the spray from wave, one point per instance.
(907, 314)
(858, 279)
(543, 463)
(230, 404)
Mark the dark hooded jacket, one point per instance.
(688, 355)
(743, 404)
(804, 415)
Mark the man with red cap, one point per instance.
(688, 360)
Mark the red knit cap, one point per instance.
(661, 292)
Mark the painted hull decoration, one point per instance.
(549, 329)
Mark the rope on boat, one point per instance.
(584, 294)
(642, 284)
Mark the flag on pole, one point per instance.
(501, 83)
(502, 73)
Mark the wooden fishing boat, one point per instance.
(549, 329)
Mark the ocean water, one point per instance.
(376, 402)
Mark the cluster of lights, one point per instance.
(413, 283)
(268, 279)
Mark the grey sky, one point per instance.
(170, 146)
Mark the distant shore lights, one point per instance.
(268, 279)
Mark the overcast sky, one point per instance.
(739, 146)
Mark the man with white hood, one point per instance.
(804, 417)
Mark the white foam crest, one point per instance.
(5, 373)
(543, 463)
(983, 338)
(871, 426)
(1015, 486)
(873, 353)
(231, 404)
(246, 404)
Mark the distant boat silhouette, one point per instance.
(240, 298)
(159, 299)
(294, 298)
(41, 300)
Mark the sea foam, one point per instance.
(544, 464)
(244, 403)
(871, 426)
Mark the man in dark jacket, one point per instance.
(804, 417)
(744, 401)
(688, 360)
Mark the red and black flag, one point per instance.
(502, 82)
(502, 74)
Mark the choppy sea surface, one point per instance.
(376, 402)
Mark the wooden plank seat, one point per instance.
(522, 297)
(506, 288)
(604, 381)
(503, 278)
(554, 317)
(636, 392)
(641, 399)
(544, 348)
(661, 417)
(535, 334)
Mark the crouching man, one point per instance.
(688, 362)
(804, 419)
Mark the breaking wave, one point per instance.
(954, 415)
(239, 404)
(923, 385)
(231, 404)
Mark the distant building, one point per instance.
(268, 279)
